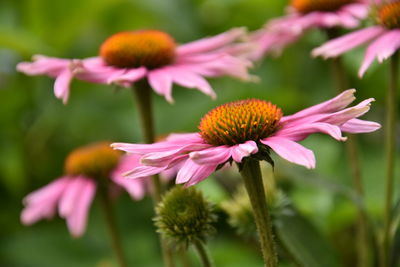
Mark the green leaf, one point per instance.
(303, 241)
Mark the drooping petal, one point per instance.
(303, 130)
(161, 82)
(195, 172)
(211, 43)
(382, 44)
(129, 77)
(71, 193)
(359, 126)
(291, 151)
(338, 46)
(337, 103)
(61, 85)
(189, 79)
(42, 203)
(243, 150)
(77, 218)
(214, 155)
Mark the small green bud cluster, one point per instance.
(184, 216)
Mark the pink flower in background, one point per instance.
(72, 194)
(243, 128)
(303, 15)
(128, 57)
(384, 38)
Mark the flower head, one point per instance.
(72, 194)
(304, 15)
(383, 38)
(249, 128)
(127, 57)
(185, 216)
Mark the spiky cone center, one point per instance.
(240, 121)
(148, 48)
(307, 6)
(185, 216)
(389, 15)
(95, 161)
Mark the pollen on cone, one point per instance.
(306, 6)
(133, 49)
(389, 15)
(95, 160)
(240, 121)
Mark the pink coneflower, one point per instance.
(384, 37)
(86, 168)
(128, 57)
(304, 15)
(246, 128)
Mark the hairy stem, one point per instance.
(112, 226)
(251, 173)
(201, 250)
(143, 99)
(390, 145)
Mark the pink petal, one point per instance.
(383, 43)
(130, 76)
(195, 172)
(291, 151)
(143, 171)
(211, 43)
(71, 193)
(61, 85)
(189, 79)
(347, 42)
(135, 187)
(337, 103)
(77, 218)
(44, 65)
(213, 155)
(42, 203)
(359, 126)
(243, 150)
(303, 130)
(161, 82)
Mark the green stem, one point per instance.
(362, 236)
(201, 250)
(251, 173)
(112, 227)
(143, 99)
(390, 144)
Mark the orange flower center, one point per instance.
(237, 122)
(151, 49)
(306, 6)
(95, 160)
(389, 15)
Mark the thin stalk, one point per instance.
(390, 144)
(108, 211)
(251, 173)
(362, 236)
(201, 250)
(143, 99)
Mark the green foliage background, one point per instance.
(37, 130)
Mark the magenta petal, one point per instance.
(211, 43)
(189, 79)
(161, 82)
(303, 130)
(130, 76)
(190, 170)
(42, 203)
(243, 150)
(214, 155)
(291, 151)
(61, 85)
(77, 218)
(136, 188)
(359, 126)
(143, 171)
(337, 103)
(71, 193)
(347, 42)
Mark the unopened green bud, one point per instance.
(184, 216)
